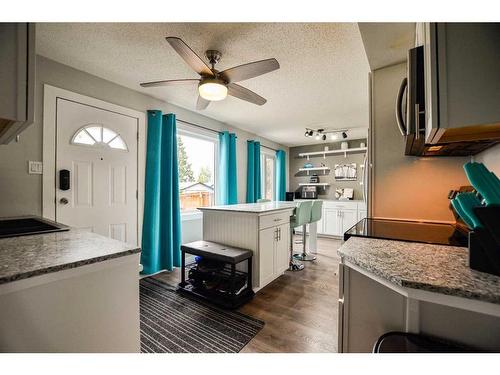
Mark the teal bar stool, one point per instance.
(300, 218)
(316, 211)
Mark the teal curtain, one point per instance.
(227, 186)
(161, 229)
(253, 172)
(280, 175)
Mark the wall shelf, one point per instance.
(314, 184)
(332, 152)
(324, 169)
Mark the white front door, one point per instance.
(99, 149)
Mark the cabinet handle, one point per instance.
(276, 235)
(278, 219)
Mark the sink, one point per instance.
(28, 225)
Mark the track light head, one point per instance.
(344, 135)
(324, 137)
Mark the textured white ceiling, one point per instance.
(387, 43)
(322, 82)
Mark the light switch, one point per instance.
(35, 167)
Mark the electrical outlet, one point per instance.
(35, 167)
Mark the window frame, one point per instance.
(205, 135)
(98, 144)
(267, 154)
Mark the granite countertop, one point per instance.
(253, 207)
(434, 268)
(27, 256)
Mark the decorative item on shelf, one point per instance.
(314, 179)
(344, 146)
(362, 145)
(323, 165)
(308, 165)
(344, 194)
(326, 148)
(346, 172)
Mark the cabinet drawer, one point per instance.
(272, 220)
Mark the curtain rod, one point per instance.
(199, 126)
(215, 131)
(270, 148)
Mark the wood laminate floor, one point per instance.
(299, 308)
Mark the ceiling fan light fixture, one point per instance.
(213, 90)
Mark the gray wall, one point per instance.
(297, 162)
(21, 193)
(406, 187)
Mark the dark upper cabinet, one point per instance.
(17, 78)
(462, 81)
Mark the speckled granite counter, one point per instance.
(28, 256)
(434, 268)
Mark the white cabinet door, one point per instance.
(361, 214)
(282, 250)
(331, 222)
(349, 218)
(320, 223)
(267, 239)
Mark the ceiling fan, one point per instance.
(213, 84)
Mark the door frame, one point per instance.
(50, 96)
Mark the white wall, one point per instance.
(21, 193)
(490, 158)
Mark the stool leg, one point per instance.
(295, 265)
(304, 256)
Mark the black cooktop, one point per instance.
(414, 231)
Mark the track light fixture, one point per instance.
(309, 132)
(323, 133)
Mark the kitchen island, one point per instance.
(388, 285)
(70, 291)
(263, 228)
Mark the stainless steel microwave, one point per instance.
(410, 104)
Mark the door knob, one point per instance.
(63, 201)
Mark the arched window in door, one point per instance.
(98, 135)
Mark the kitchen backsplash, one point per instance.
(344, 168)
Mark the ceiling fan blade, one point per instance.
(250, 70)
(245, 94)
(189, 56)
(170, 82)
(202, 103)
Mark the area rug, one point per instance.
(172, 323)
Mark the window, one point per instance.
(268, 162)
(196, 155)
(98, 135)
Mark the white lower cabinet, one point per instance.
(282, 250)
(331, 221)
(338, 217)
(267, 239)
(348, 218)
(274, 248)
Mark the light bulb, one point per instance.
(317, 136)
(334, 136)
(212, 90)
